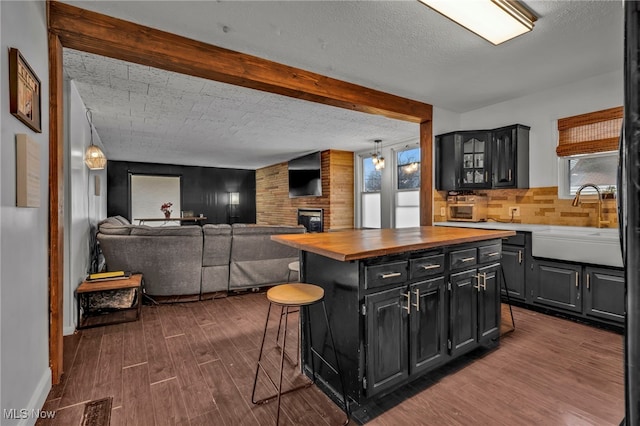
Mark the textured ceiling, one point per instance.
(399, 47)
(150, 115)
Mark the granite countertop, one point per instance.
(365, 243)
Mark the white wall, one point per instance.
(541, 111)
(82, 207)
(24, 313)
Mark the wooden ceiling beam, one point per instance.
(100, 34)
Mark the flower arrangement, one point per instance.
(166, 209)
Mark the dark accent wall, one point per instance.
(204, 189)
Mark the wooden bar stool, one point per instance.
(299, 296)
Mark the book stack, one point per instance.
(108, 276)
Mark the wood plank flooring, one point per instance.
(193, 364)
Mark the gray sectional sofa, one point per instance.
(193, 262)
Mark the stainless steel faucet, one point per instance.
(576, 202)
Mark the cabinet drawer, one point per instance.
(385, 274)
(463, 258)
(426, 266)
(516, 240)
(490, 253)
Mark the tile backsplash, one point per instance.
(538, 206)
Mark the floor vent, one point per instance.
(97, 412)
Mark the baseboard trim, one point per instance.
(38, 398)
(68, 330)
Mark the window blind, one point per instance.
(596, 131)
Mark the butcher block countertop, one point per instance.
(364, 243)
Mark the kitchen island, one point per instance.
(401, 302)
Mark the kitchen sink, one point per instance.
(578, 244)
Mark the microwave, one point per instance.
(467, 208)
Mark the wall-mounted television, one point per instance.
(305, 179)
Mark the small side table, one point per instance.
(88, 318)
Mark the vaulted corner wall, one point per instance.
(274, 207)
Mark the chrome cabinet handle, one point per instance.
(520, 256)
(486, 176)
(494, 254)
(588, 281)
(480, 277)
(577, 283)
(427, 267)
(510, 175)
(417, 304)
(408, 296)
(390, 275)
(468, 259)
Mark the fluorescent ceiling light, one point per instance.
(494, 20)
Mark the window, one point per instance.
(389, 197)
(372, 185)
(598, 169)
(407, 197)
(408, 163)
(587, 151)
(372, 178)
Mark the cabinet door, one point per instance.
(488, 286)
(504, 158)
(514, 271)
(476, 160)
(463, 314)
(387, 334)
(604, 294)
(557, 284)
(448, 161)
(428, 326)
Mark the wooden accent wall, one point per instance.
(274, 207)
(539, 206)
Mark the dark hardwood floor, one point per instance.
(193, 364)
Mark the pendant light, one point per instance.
(377, 158)
(94, 158)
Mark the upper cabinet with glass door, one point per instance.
(476, 159)
(484, 159)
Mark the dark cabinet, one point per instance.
(475, 308)
(406, 332)
(389, 333)
(488, 287)
(428, 327)
(484, 159)
(557, 285)
(604, 294)
(513, 266)
(476, 159)
(387, 348)
(463, 317)
(463, 160)
(510, 157)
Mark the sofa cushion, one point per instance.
(256, 260)
(114, 220)
(171, 263)
(166, 231)
(253, 242)
(111, 229)
(217, 245)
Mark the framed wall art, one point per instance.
(24, 91)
